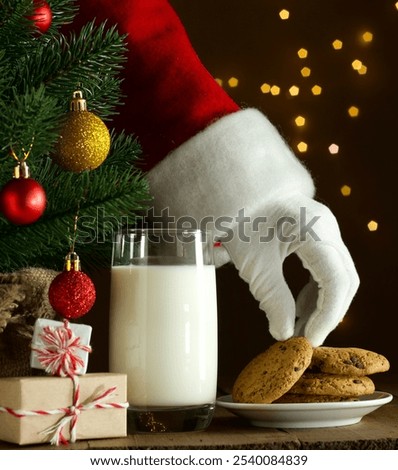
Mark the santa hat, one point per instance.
(170, 96)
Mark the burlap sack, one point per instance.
(23, 299)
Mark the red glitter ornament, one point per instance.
(22, 201)
(42, 15)
(72, 293)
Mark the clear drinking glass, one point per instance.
(163, 327)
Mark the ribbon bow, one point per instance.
(72, 414)
(59, 352)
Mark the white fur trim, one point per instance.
(240, 161)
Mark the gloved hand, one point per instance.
(239, 179)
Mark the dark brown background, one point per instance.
(248, 40)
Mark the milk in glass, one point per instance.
(163, 322)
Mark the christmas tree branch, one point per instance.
(106, 198)
(90, 61)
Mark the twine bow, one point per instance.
(72, 413)
(59, 352)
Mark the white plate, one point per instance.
(306, 415)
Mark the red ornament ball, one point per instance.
(42, 15)
(22, 201)
(72, 294)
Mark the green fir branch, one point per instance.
(63, 13)
(90, 61)
(28, 119)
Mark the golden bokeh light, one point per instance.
(337, 44)
(294, 90)
(302, 53)
(302, 147)
(353, 111)
(219, 81)
(265, 88)
(275, 90)
(284, 14)
(300, 121)
(233, 82)
(356, 64)
(372, 226)
(367, 37)
(305, 71)
(316, 90)
(345, 190)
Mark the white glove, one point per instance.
(239, 179)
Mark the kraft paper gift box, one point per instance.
(22, 394)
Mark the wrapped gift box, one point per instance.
(83, 332)
(27, 394)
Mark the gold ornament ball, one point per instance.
(84, 142)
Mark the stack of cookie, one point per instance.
(293, 372)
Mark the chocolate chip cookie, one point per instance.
(347, 361)
(334, 385)
(272, 373)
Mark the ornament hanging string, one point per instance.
(73, 237)
(72, 293)
(22, 169)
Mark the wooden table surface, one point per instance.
(378, 430)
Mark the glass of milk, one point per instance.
(163, 327)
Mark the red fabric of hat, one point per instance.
(170, 94)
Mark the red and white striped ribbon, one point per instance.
(59, 355)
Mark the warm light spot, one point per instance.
(363, 70)
(284, 14)
(233, 82)
(316, 90)
(396, 5)
(373, 226)
(305, 71)
(300, 121)
(345, 190)
(357, 64)
(353, 111)
(367, 37)
(302, 147)
(265, 88)
(219, 81)
(337, 44)
(333, 149)
(294, 90)
(275, 90)
(302, 53)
